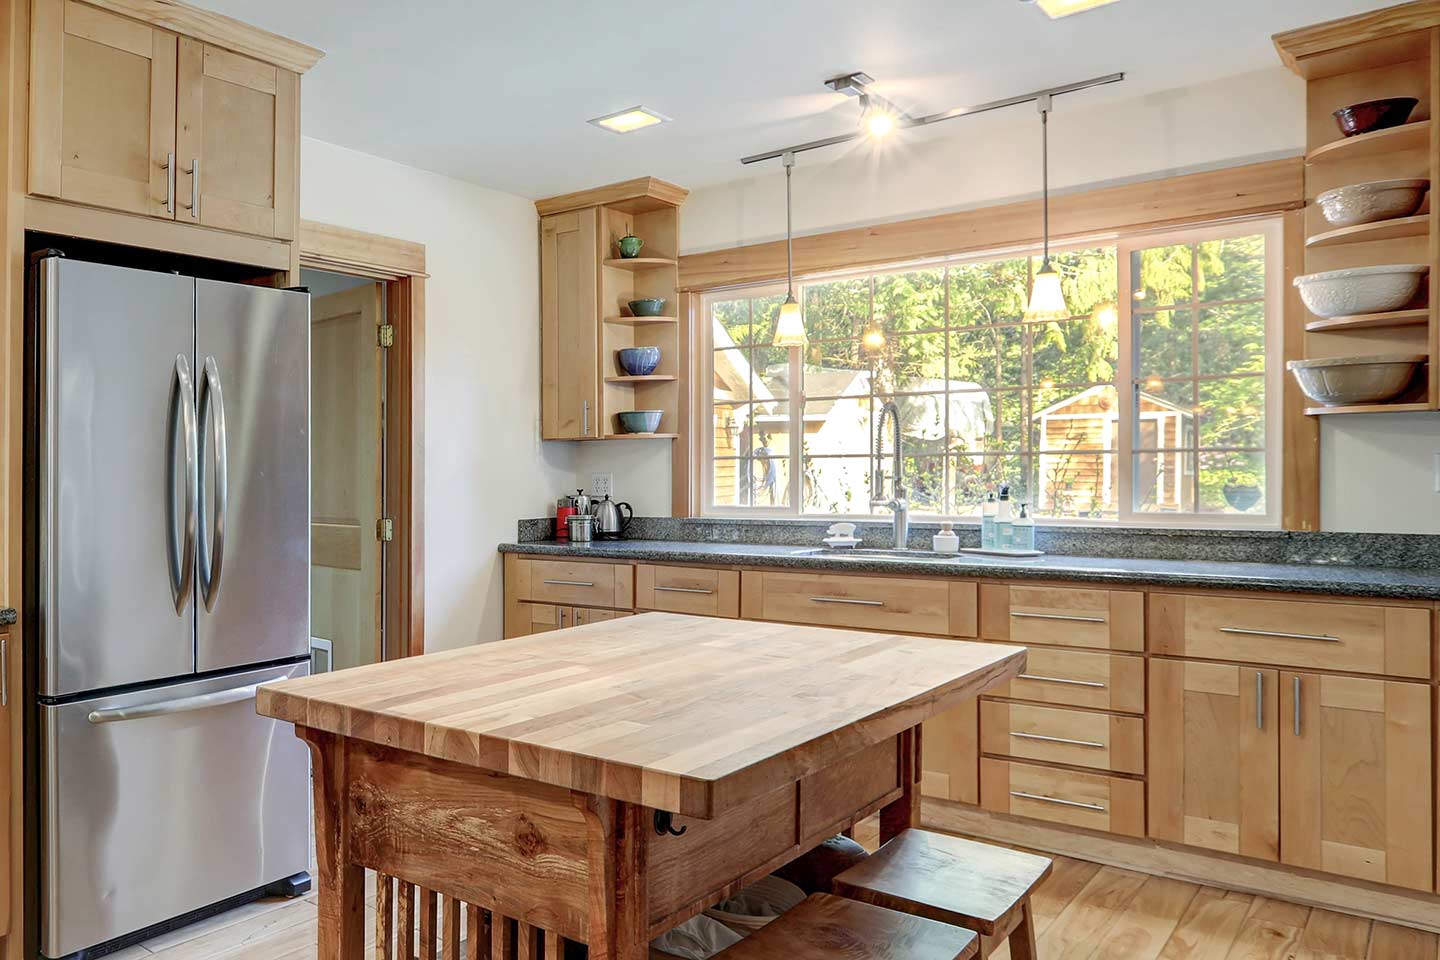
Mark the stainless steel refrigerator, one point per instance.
(172, 520)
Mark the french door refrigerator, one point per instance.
(171, 512)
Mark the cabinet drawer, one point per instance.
(1091, 800)
(1363, 638)
(1077, 678)
(1063, 616)
(831, 796)
(877, 603)
(575, 582)
(1053, 734)
(702, 591)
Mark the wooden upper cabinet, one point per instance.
(102, 108)
(1355, 762)
(237, 141)
(1214, 768)
(569, 330)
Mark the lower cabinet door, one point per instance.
(950, 754)
(1214, 768)
(1091, 800)
(1356, 778)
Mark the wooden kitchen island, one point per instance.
(604, 783)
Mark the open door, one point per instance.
(347, 466)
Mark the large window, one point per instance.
(1150, 403)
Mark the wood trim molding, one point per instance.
(1295, 46)
(324, 246)
(1300, 435)
(685, 450)
(1248, 190)
(643, 193)
(218, 29)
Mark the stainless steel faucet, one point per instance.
(896, 502)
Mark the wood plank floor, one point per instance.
(1083, 912)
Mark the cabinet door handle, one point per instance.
(682, 590)
(194, 205)
(563, 611)
(170, 184)
(1296, 698)
(1056, 616)
(4, 672)
(1248, 632)
(569, 583)
(585, 418)
(1259, 700)
(1065, 680)
(858, 603)
(1064, 740)
(1064, 803)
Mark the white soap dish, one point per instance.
(1002, 552)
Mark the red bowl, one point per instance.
(1374, 115)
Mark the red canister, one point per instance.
(563, 510)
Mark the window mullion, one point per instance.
(1126, 374)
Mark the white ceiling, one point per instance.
(498, 93)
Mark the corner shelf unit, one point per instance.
(1343, 63)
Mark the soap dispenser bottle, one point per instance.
(946, 541)
(1004, 521)
(1024, 529)
(987, 521)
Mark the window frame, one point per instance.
(1125, 464)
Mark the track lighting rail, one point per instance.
(908, 122)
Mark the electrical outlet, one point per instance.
(602, 484)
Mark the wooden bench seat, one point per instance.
(978, 886)
(826, 927)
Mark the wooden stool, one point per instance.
(824, 927)
(978, 886)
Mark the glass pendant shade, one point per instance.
(789, 327)
(1047, 301)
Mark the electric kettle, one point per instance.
(611, 518)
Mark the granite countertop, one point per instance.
(1337, 580)
(7, 615)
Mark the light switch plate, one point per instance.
(602, 484)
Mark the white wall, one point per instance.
(484, 465)
(994, 158)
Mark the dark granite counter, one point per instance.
(7, 615)
(1321, 578)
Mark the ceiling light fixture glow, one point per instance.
(1047, 300)
(629, 120)
(790, 325)
(1055, 9)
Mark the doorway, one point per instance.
(347, 469)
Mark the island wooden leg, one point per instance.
(341, 899)
(619, 891)
(904, 813)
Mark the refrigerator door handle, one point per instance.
(164, 708)
(212, 551)
(182, 543)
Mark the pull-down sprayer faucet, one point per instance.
(896, 501)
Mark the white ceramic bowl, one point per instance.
(1334, 381)
(1339, 293)
(1368, 202)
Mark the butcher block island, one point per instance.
(604, 783)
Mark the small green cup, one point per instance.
(629, 246)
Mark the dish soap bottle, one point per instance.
(1004, 521)
(946, 541)
(1024, 529)
(987, 521)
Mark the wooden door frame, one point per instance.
(400, 265)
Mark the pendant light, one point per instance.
(1047, 300)
(790, 327)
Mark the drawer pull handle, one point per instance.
(1259, 700)
(1056, 616)
(1296, 698)
(858, 603)
(1064, 803)
(1065, 680)
(1073, 743)
(1246, 631)
(569, 583)
(683, 590)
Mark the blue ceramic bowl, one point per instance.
(639, 361)
(647, 307)
(639, 421)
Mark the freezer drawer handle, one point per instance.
(182, 417)
(1064, 803)
(1055, 616)
(1246, 631)
(165, 708)
(212, 552)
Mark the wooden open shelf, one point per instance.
(640, 263)
(1366, 232)
(1409, 136)
(640, 321)
(1368, 408)
(641, 436)
(647, 378)
(1371, 321)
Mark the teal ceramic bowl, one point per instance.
(648, 307)
(639, 421)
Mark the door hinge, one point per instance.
(385, 335)
(385, 529)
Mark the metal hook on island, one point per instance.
(665, 823)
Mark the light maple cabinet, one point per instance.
(569, 340)
(544, 617)
(7, 704)
(134, 118)
(950, 754)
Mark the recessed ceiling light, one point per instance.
(628, 121)
(1055, 9)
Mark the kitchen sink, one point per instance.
(874, 553)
